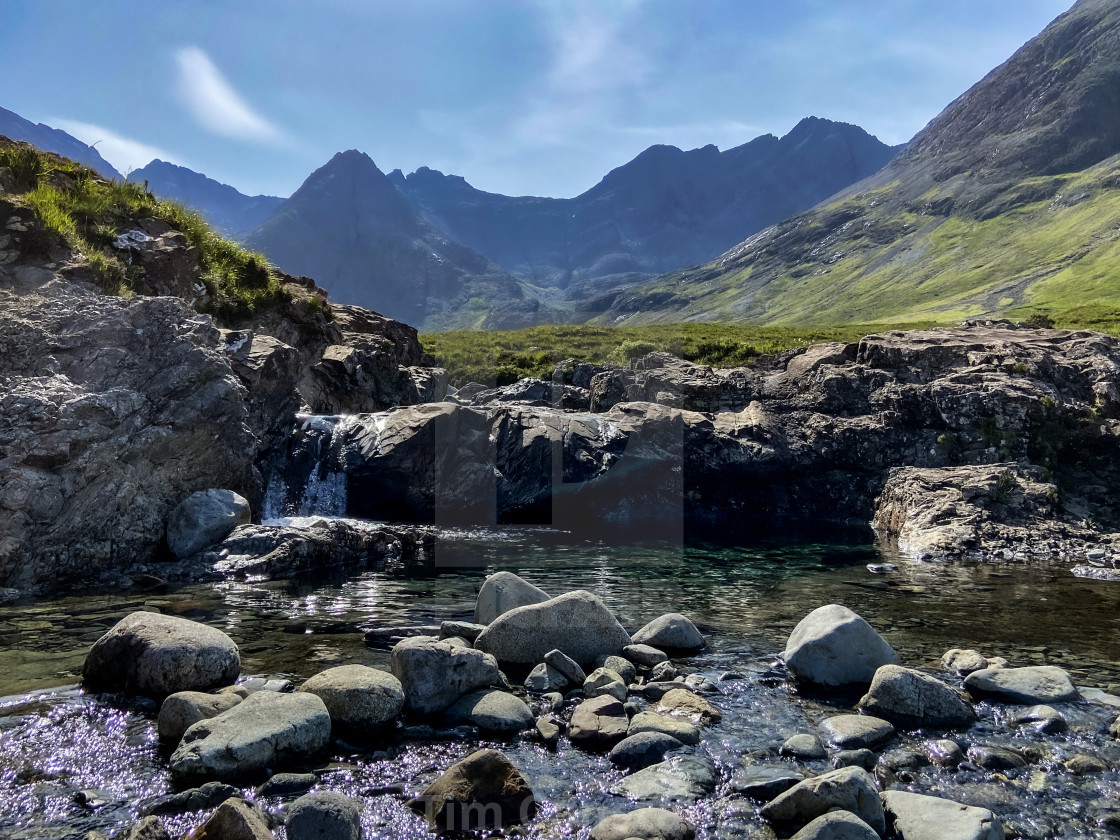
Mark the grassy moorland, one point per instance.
(504, 357)
(87, 212)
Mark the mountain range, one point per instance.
(1008, 203)
(431, 249)
(15, 127)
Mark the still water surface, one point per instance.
(56, 741)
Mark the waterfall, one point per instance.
(308, 481)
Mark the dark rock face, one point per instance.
(811, 438)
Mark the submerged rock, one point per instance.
(764, 783)
(502, 592)
(911, 699)
(848, 789)
(644, 824)
(204, 519)
(680, 779)
(578, 624)
(157, 655)
(681, 701)
(436, 674)
(804, 747)
(1034, 685)
(671, 631)
(833, 647)
(484, 790)
(266, 730)
(357, 697)
(917, 817)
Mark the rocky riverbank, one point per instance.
(833, 735)
(979, 442)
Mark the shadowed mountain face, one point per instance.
(15, 127)
(1007, 203)
(221, 205)
(430, 249)
(664, 209)
(349, 228)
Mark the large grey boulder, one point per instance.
(324, 815)
(183, 709)
(484, 790)
(502, 592)
(917, 817)
(266, 730)
(644, 824)
(837, 825)
(157, 655)
(357, 697)
(1031, 686)
(847, 789)
(204, 519)
(436, 674)
(491, 711)
(911, 699)
(578, 624)
(671, 631)
(832, 647)
(684, 778)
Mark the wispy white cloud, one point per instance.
(212, 100)
(123, 152)
(593, 64)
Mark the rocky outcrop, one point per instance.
(112, 411)
(115, 410)
(810, 437)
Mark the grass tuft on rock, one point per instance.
(87, 212)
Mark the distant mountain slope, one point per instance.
(664, 209)
(15, 127)
(1008, 202)
(220, 204)
(349, 228)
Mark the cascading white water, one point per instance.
(323, 494)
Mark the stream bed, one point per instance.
(71, 762)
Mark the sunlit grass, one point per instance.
(88, 212)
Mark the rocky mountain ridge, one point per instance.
(1003, 204)
(226, 209)
(437, 252)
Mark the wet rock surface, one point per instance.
(157, 655)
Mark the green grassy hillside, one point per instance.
(82, 212)
(1053, 247)
(504, 357)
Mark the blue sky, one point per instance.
(538, 98)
